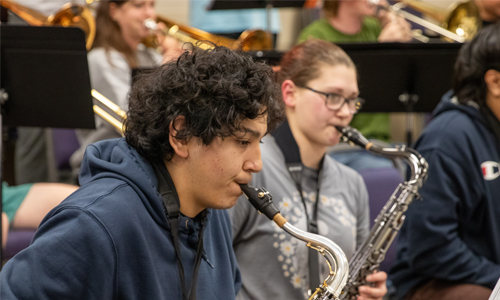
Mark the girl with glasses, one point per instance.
(319, 87)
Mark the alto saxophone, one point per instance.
(368, 257)
(332, 286)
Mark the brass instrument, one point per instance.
(250, 40)
(459, 22)
(111, 112)
(332, 286)
(371, 253)
(70, 14)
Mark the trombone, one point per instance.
(117, 120)
(249, 40)
(459, 22)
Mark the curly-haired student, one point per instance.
(148, 221)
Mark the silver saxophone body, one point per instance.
(371, 253)
(332, 286)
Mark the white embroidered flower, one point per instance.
(325, 201)
(285, 205)
(296, 281)
(287, 248)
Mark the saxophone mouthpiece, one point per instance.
(352, 135)
(261, 199)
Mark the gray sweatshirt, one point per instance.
(273, 264)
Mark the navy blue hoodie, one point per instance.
(110, 240)
(453, 233)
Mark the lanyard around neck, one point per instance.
(290, 149)
(171, 205)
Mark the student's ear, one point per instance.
(180, 146)
(112, 11)
(288, 90)
(492, 79)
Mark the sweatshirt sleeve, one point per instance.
(71, 257)
(435, 247)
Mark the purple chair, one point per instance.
(17, 240)
(65, 143)
(381, 183)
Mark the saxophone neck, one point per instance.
(418, 165)
(335, 257)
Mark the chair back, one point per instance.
(381, 183)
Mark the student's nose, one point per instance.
(254, 162)
(150, 12)
(344, 111)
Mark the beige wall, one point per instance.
(176, 10)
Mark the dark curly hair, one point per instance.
(215, 90)
(474, 60)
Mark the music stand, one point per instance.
(44, 80)
(397, 77)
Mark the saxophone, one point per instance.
(368, 257)
(332, 286)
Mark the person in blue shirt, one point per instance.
(149, 219)
(449, 246)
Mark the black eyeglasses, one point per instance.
(335, 101)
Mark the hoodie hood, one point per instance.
(110, 160)
(450, 103)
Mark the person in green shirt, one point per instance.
(355, 21)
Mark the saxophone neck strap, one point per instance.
(286, 142)
(171, 206)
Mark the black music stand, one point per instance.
(44, 80)
(397, 77)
